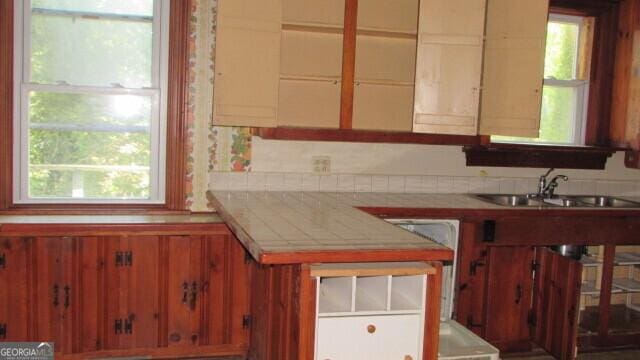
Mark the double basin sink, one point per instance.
(597, 201)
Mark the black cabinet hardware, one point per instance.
(518, 293)
(185, 292)
(56, 291)
(194, 294)
(474, 265)
(117, 329)
(124, 258)
(246, 321)
(471, 324)
(3, 331)
(3, 261)
(67, 296)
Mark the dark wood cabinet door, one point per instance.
(132, 295)
(207, 291)
(52, 283)
(508, 297)
(471, 279)
(555, 302)
(185, 290)
(14, 260)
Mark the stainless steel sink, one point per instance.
(606, 201)
(508, 199)
(514, 200)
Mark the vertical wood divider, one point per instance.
(6, 103)
(605, 292)
(432, 316)
(348, 63)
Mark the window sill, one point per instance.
(538, 156)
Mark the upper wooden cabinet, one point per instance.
(449, 66)
(310, 63)
(247, 62)
(420, 65)
(385, 65)
(513, 67)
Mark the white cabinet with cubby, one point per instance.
(370, 311)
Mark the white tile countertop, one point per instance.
(296, 222)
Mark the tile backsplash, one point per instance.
(279, 181)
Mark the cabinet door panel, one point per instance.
(382, 107)
(132, 292)
(508, 297)
(385, 59)
(449, 66)
(14, 288)
(555, 301)
(309, 103)
(384, 15)
(247, 62)
(313, 12)
(309, 54)
(513, 67)
(52, 286)
(185, 289)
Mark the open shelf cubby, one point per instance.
(407, 292)
(336, 294)
(372, 293)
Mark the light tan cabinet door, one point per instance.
(247, 62)
(513, 67)
(382, 107)
(449, 66)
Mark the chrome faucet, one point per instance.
(547, 189)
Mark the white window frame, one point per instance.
(581, 86)
(158, 93)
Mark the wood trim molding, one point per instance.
(348, 63)
(366, 136)
(6, 103)
(538, 156)
(176, 145)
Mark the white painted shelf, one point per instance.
(627, 285)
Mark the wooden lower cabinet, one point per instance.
(508, 297)
(152, 294)
(517, 296)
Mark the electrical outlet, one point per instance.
(321, 165)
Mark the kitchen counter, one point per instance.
(289, 227)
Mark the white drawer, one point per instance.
(380, 337)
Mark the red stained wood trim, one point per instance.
(176, 119)
(6, 102)
(605, 292)
(183, 352)
(177, 104)
(348, 62)
(284, 133)
(340, 256)
(538, 156)
(432, 316)
(111, 229)
(308, 286)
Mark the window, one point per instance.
(90, 91)
(566, 85)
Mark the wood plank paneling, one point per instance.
(15, 288)
(508, 297)
(555, 303)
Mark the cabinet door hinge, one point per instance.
(128, 326)
(124, 258)
(3, 331)
(117, 327)
(246, 321)
(473, 267)
(3, 261)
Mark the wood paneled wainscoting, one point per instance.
(159, 291)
